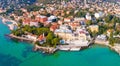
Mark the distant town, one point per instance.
(69, 25)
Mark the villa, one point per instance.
(41, 39)
(94, 28)
(26, 21)
(67, 19)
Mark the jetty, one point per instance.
(45, 49)
(69, 47)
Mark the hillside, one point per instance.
(15, 3)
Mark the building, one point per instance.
(63, 32)
(79, 19)
(42, 39)
(94, 28)
(34, 23)
(88, 16)
(101, 38)
(67, 19)
(26, 21)
(99, 14)
(52, 18)
(53, 27)
(43, 19)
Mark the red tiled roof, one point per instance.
(82, 32)
(41, 37)
(53, 27)
(26, 20)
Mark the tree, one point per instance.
(33, 17)
(81, 14)
(41, 24)
(118, 28)
(111, 39)
(33, 8)
(17, 32)
(12, 17)
(108, 18)
(42, 30)
(18, 12)
(20, 20)
(116, 19)
(89, 22)
(102, 29)
(55, 41)
(50, 37)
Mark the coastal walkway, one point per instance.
(20, 38)
(45, 49)
(76, 46)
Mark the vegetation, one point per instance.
(80, 14)
(18, 12)
(33, 8)
(12, 17)
(88, 22)
(51, 39)
(102, 29)
(111, 39)
(108, 18)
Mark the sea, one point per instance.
(15, 53)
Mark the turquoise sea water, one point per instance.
(13, 53)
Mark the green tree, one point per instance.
(81, 14)
(50, 37)
(88, 22)
(12, 17)
(55, 41)
(108, 18)
(33, 17)
(111, 39)
(33, 8)
(102, 29)
(18, 12)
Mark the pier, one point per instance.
(45, 49)
(69, 47)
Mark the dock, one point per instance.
(69, 47)
(75, 46)
(45, 49)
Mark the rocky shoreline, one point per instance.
(36, 47)
(116, 47)
(51, 49)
